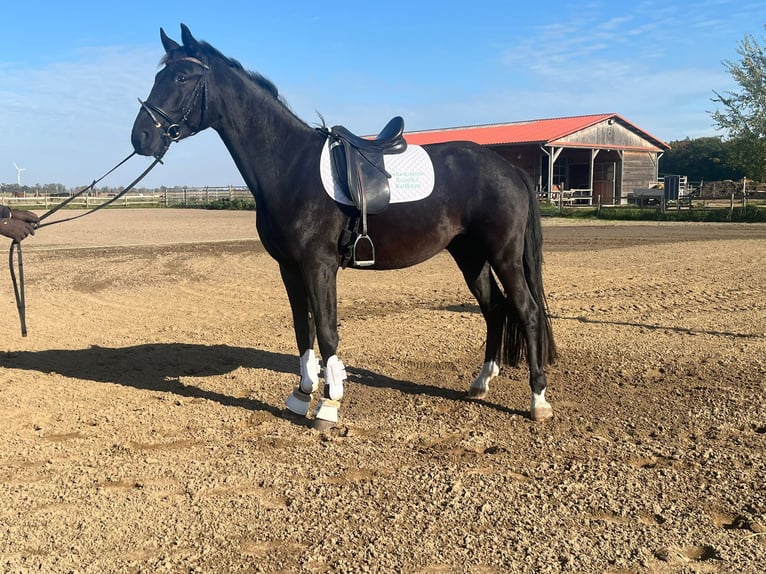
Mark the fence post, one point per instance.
(744, 192)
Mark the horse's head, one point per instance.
(176, 106)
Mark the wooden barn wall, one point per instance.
(603, 134)
(527, 157)
(639, 170)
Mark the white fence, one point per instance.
(572, 197)
(164, 197)
(204, 195)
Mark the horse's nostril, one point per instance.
(141, 140)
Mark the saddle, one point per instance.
(359, 167)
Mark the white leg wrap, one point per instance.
(309, 372)
(488, 372)
(334, 375)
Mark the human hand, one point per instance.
(18, 227)
(25, 215)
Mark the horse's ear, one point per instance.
(167, 43)
(190, 43)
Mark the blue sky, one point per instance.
(70, 72)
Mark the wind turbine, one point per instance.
(18, 172)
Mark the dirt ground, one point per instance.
(140, 426)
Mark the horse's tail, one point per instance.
(514, 343)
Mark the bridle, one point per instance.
(172, 132)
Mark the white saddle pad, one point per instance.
(412, 175)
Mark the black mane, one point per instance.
(259, 79)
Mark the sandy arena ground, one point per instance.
(140, 426)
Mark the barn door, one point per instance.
(603, 183)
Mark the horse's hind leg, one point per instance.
(478, 276)
(524, 314)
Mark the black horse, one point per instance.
(482, 209)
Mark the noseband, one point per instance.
(173, 130)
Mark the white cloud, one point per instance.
(654, 62)
(65, 119)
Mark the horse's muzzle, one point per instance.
(149, 141)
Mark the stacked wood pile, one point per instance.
(721, 189)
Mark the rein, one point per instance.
(18, 284)
(172, 132)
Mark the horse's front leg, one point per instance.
(312, 294)
(299, 401)
(322, 293)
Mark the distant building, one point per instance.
(579, 160)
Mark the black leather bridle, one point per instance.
(172, 131)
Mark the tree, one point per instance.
(706, 158)
(743, 117)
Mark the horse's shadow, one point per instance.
(160, 367)
(155, 367)
(372, 379)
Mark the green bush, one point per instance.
(747, 214)
(236, 204)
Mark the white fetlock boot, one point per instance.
(326, 412)
(299, 401)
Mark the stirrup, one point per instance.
(363, 262)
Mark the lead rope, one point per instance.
(18, 285)
(18, 288)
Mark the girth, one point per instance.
(360, 170)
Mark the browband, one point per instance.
(189, 59)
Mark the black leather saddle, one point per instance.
(360, 171)
(390, 139)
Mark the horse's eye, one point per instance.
(180, 79)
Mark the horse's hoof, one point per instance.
(477, 393)
(326, 414)
(323, 425)
(542, 413)
(298, 402)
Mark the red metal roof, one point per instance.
(542, 131)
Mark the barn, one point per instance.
(578, 160)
